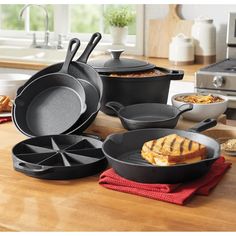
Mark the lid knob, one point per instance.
(115, 53)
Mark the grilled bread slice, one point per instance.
(173, 149)
(4, 101)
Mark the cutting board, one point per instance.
(161, 31)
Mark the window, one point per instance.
(75, 20)
(10, 17)
(89, 18)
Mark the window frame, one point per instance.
(135, 44)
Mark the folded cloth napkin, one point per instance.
(173, 193)
(4, 119)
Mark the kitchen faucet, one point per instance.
(46, 38)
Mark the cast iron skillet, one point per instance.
(123, 154)
(93, 106)
(148, 115)
(46, 105)
(89, 79)
(78, 69)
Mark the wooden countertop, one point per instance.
(189, 70)
(29, 204)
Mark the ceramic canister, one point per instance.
(204, 35)
(181, 50)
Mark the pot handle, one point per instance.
(32, 169)
(176, 74)
(188, 107)
(115, 106)
(203, 125)
(96, 37)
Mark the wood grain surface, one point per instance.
(29, 204)
(161, 31)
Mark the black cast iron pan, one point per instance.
(52, 103)
(93, 106)
(59, 157)
(148, 115)
(78, 69)
(123, 154)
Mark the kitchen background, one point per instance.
(18, 34)
(219, 13)
(69, 20)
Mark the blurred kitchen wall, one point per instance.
(219, 13)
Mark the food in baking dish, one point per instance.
(143, 74)
(199, 99)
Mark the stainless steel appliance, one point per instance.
(221, 77)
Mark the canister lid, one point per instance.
(203, 19)
(181, 38)
(117, 64)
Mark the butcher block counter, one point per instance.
(29, 204)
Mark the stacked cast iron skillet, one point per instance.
(58, 101)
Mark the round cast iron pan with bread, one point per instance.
(123, 152)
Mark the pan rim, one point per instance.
(215, 156)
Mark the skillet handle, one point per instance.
(188, 107)
(115, 106)
(176, 74)
(96, 37)
(203, 125)
(32, 169)
(75, 43)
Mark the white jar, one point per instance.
(204, 35)
(181, 50)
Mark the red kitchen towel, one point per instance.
(5, 119)
(173, 193)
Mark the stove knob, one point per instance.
(218, 81)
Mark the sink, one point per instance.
(37, 55)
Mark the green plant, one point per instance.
(119, 17)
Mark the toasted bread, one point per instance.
(173, 149)
(5, 103)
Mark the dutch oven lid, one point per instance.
(117, 64)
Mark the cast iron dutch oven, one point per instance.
(123, 154)
(132, 90)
